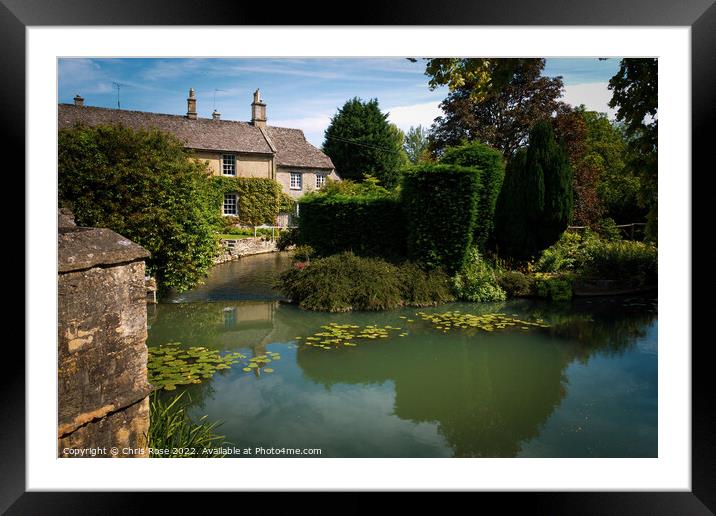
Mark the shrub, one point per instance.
(535, 203)
(364, 225)
(303, 253)
(287, 238)
(172, 429)
(145, 186)
(571, 252)
(555, 288)
(491, 166)
(477, 281)
(424, 288)
(515, 283)
(635, 263)
(440, 203)
(345, 282)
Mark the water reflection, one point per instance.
(497, 395)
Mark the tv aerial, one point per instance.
(118, 85)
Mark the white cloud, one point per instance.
(595, 96)
(415, 114)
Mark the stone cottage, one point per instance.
(232, 148)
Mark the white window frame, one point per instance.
(320, 180)
(229, 164)
(235, 204)
(299, 176)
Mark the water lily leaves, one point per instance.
(268, 370)
(452, 320)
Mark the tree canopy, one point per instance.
(635, 95)
(416, 145)
(361, 142)
(500, 117)
(145, 186)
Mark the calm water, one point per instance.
(585, 387)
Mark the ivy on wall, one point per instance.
(259, 199)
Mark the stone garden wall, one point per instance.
(102, 355)
(233, 249)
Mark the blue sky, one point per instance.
(299, 92)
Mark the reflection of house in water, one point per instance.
(246, 324)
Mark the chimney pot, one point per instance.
(216, 115)
(258, 110)
(191, 105)
(79, 101)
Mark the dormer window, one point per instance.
(228, 164)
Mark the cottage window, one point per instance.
(320, 180)
(296, 181)
(231, 204)
(228, 164)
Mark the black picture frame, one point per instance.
(700, 15)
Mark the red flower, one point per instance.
(300, 265)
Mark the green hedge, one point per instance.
(367, 226)
(491, 165)
(440, 203)
(259, 199)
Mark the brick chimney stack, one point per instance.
(216, 115)
(258, 110)
(191, 105)
(79, 101)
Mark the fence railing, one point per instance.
(627, 230)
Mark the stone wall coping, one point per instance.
(81, 248)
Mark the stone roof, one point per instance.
(293, 150)
(289, 145)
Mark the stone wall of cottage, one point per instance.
(308, 180)
(102, 354)
(247, 165)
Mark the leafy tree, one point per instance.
(145, 186)
(416, 145)
(535, 203)
(635, 95)
(500, 117)
(480, 76)
(570, 129)
(361, 141)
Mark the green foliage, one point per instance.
(369, 187)
(345, 282)
(145, 186)
(477, 281)
(287, 204)
(608, 229)
(535, 203)
(416, 145)
(491, 165)
(515, 283)
(260, 199)
(365, 225)
(440, 203)
(557, 289)
(635, 95)
(360, 140)
(303, 253)
(572, 252)
(634, 263)
(287, 238)
(172, 429)
(588, 255)
(501, 117)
